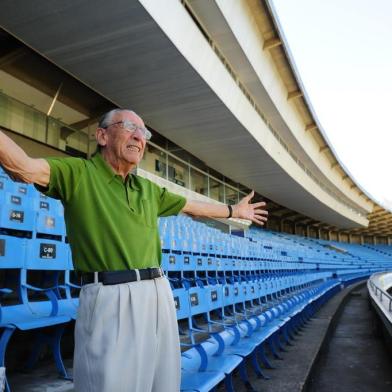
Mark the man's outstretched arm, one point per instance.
(20, 166)
(243, 210)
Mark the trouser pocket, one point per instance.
(89, 305)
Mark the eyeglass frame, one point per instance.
(127, 124)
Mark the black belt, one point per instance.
(117, 277)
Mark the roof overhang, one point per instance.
(120, 51)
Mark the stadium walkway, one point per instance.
(327, 359)
(355, 358)
(352, 359)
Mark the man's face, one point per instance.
(127, 147)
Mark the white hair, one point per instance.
(106, 119)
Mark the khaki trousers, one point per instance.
(126, 338)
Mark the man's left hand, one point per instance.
(251, 211)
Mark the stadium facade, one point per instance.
(214, 82)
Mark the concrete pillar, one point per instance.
(350, 240)
(307, 231)
(339, 236)
(374, 240)
(362, 239)
(319, 233)
(329, 235)
(389, 240)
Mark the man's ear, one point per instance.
(101, 136)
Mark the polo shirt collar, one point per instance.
(108, 172)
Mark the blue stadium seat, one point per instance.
(16, 212)
(27, 314)
(50, 216)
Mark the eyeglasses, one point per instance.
(132, 127)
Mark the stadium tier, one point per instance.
(233, 295)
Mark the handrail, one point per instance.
(380, 293)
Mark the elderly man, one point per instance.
(126, 336)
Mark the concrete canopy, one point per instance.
(120, 51)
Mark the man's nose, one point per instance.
(138, 134)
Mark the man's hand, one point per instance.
(254, 212)
(243, 210)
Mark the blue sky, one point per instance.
(343, 52)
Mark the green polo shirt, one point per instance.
(112, 224)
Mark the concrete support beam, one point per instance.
(324, 148)
(271, 43)
(294, 94)
(311, 127)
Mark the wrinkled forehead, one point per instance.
(127, 115)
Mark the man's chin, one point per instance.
(134, 160)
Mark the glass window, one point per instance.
(231, 195)
(199, 182)
(21, 118)
(154, 161)
(198, 163)
(77, 140)
(217, 190)
(157, 139)
(178, 172)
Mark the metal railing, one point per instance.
(381, 294)
(190, 167)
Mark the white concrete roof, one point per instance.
(158, 63)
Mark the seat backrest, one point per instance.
(44, 254)
(16, 211)
(214, 296)
(197, 300)
(12, 252)
(50, 215)
(181, 302)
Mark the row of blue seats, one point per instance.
(231, 290)
(186, 261)
(187, 244)
(20, 212)
(23, 208)
(235, 333)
